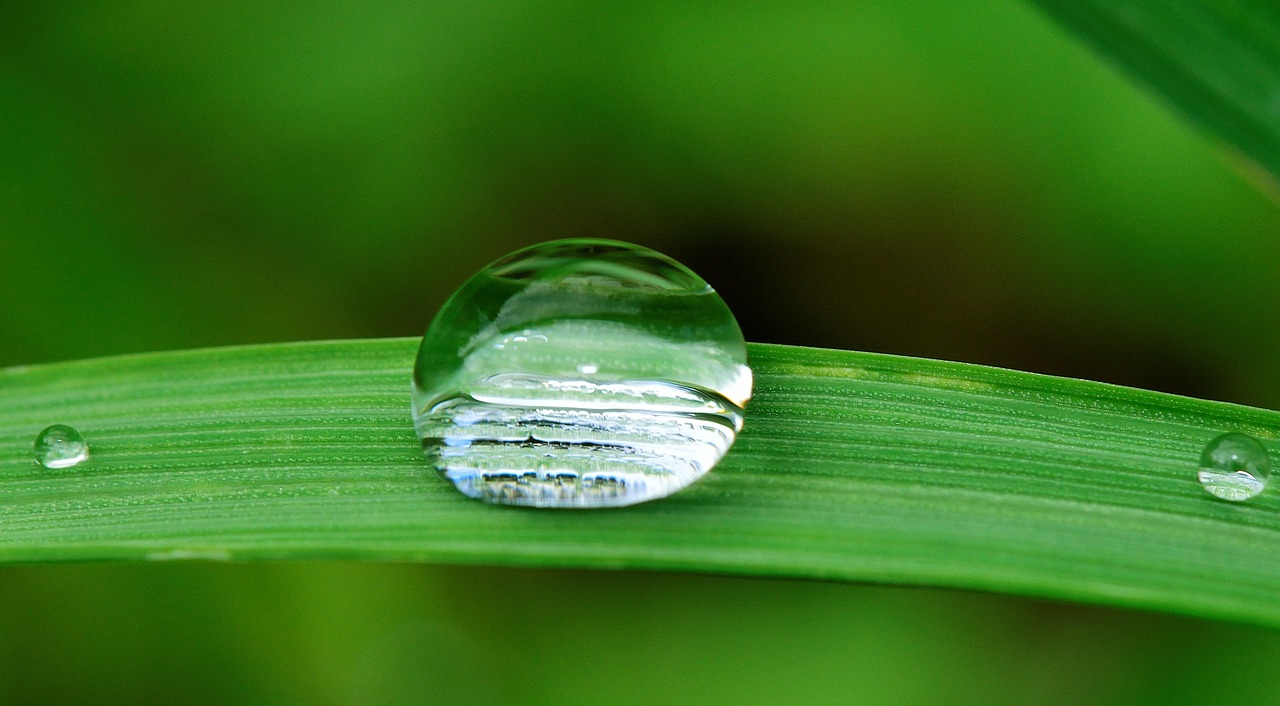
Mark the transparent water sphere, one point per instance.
(580, 373)
(1234, 467)
(60, 446)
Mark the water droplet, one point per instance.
(1234, 467)
(580, 373)
(60, 446)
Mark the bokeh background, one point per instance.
(952, 180)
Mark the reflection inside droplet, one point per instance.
(60, 446)
(580, 373)
(1234, 467)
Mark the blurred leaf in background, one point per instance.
(959, 181)
(1216, 61)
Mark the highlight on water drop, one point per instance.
(1234, 467)
(60, 446)
(577, 374)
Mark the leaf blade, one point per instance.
(1217, 62)
(853, 466)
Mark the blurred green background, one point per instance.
(951, 180)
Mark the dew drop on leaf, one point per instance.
(60, 446)
(1234, 467)
(580, 373)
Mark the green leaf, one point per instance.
(1218, 61)
(853, 466)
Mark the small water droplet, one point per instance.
(60, 446)
(580, 373)
(1234, 467)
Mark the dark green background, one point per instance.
(952, 180)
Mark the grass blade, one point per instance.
(853, 466)
(1218, 61)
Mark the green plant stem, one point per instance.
(852, 466)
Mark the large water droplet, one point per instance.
(1234, 467)
(60, 446)
(580, 373)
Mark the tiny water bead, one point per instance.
(60, 446)
(580, 373)
(1234, 467)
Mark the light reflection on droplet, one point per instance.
(580, 373)
(60, 446)
(1234, 467)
